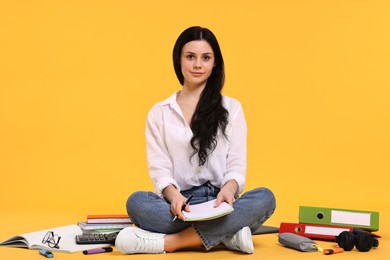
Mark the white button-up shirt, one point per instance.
(169, 150)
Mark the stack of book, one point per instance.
(327, 223)
(105, 223)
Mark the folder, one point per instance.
(265, 230)
(367, 220)
(314, 231)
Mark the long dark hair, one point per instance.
(210, 115)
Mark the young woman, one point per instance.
(196, 145)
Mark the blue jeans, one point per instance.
(150, 212)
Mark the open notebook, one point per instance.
(206, 211)
(67, 242)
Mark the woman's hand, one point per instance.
(176, 199)
(227, 193)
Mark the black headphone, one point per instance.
(363, 241)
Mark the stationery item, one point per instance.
(97, 250)
(368, 220)
(46, 253)
(325, 232)
(333, 251)
(104, 219)
(184, 206)
(304, 244)
(297, 242)
(207, 210)
(60, 239)
(101, 231)
(329, 251)
(265, 230)
(97, 238)
(107, 226)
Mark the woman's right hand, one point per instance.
(177, 200)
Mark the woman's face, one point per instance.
(197, 62)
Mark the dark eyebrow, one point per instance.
(206, 53)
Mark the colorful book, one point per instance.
(367, 220)
(104, 219)
(107, 226)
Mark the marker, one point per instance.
(184, 206)
(46, 253)
(97, 250)
(333, 251)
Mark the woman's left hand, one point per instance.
(227, 193)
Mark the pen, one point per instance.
(46, 253)
(184, 206)
(97, 250)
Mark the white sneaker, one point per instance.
(132, 240)
(241, 241)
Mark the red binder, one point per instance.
(324, 232)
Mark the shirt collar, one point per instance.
(170, 100)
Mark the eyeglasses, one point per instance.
(51, 240)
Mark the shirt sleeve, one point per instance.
(236, 157)
(159, 160)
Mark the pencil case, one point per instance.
(298, 242)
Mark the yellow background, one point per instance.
(77, 79)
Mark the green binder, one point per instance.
(368, 220)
